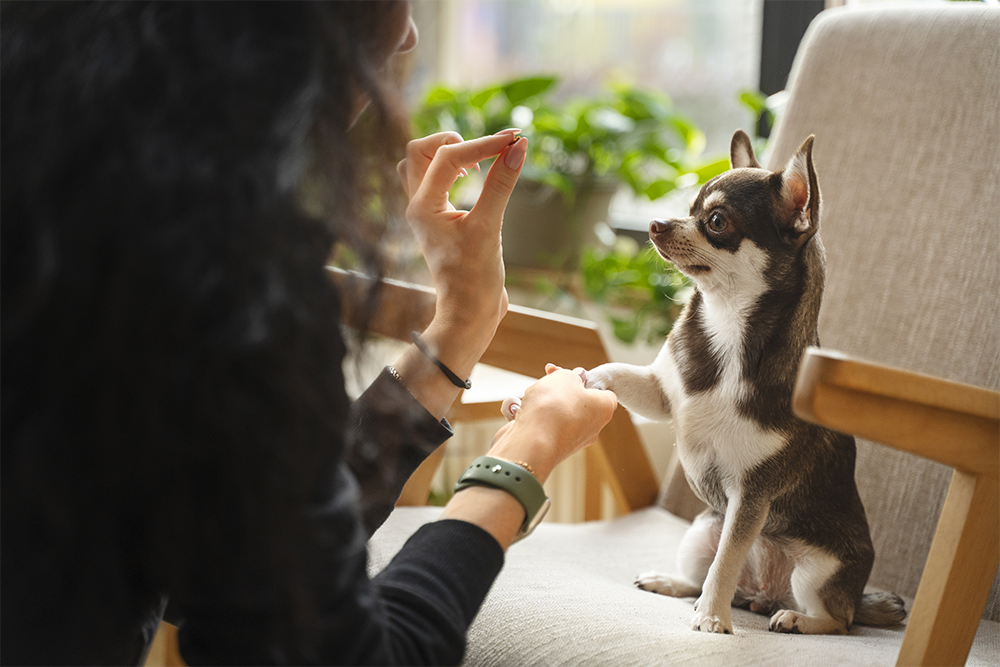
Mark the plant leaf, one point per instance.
(658, 188)
(709, 170)
(439, 95)
(754, 100)
(479, 99)
(520, 90)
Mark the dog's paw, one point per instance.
(796, 623)
(786, 621)
(598, 378)
(665, 584)
(721, 624)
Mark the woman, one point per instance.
(175, 424)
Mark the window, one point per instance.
(702, 53)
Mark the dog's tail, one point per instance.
(880, 609)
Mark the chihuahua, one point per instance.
(785, 532)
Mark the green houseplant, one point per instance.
(580, 151)
(642, 294)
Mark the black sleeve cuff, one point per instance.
(391, 433)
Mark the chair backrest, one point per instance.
(905, 106)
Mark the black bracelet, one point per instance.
(455, 380)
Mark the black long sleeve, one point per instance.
(389, 436)
(414, 612)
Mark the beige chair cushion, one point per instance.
(905, 106)
(565, 597)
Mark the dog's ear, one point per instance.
(798, 196)
(741, 151)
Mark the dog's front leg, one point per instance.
(743, 524)
(638, 388)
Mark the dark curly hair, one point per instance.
(174, 176)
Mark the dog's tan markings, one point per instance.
(699, 200)
(714, 199)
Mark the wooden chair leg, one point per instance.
(157, 655)
(627, 469)
(164, 651)
(593, 506)
(956, 581)
(174, 658)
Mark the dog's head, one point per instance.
(743, 222)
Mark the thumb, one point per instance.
(501, 179)
(609, 401)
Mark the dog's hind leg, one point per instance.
(694, 557)
(823, 607)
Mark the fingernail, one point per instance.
(514, 407)
(515, 154)
(463, 172)
(509, 130)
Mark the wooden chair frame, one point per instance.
(948, 422)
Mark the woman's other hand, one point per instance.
(557, 417)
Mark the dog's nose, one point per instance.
(658, 227)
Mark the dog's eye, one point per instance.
(717, 224)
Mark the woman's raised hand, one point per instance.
(462, 248)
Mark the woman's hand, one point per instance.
(462, 248)
(557, 417)
(463, 253)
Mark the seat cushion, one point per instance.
(565, 597)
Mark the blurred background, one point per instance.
(703, 53)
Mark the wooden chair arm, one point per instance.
(949, 422)
(952, 423)
(526, 340)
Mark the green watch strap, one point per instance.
(515, 480)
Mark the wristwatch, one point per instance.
(515, 480)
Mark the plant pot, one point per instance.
(541, 231)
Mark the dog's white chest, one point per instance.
(711, 431)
